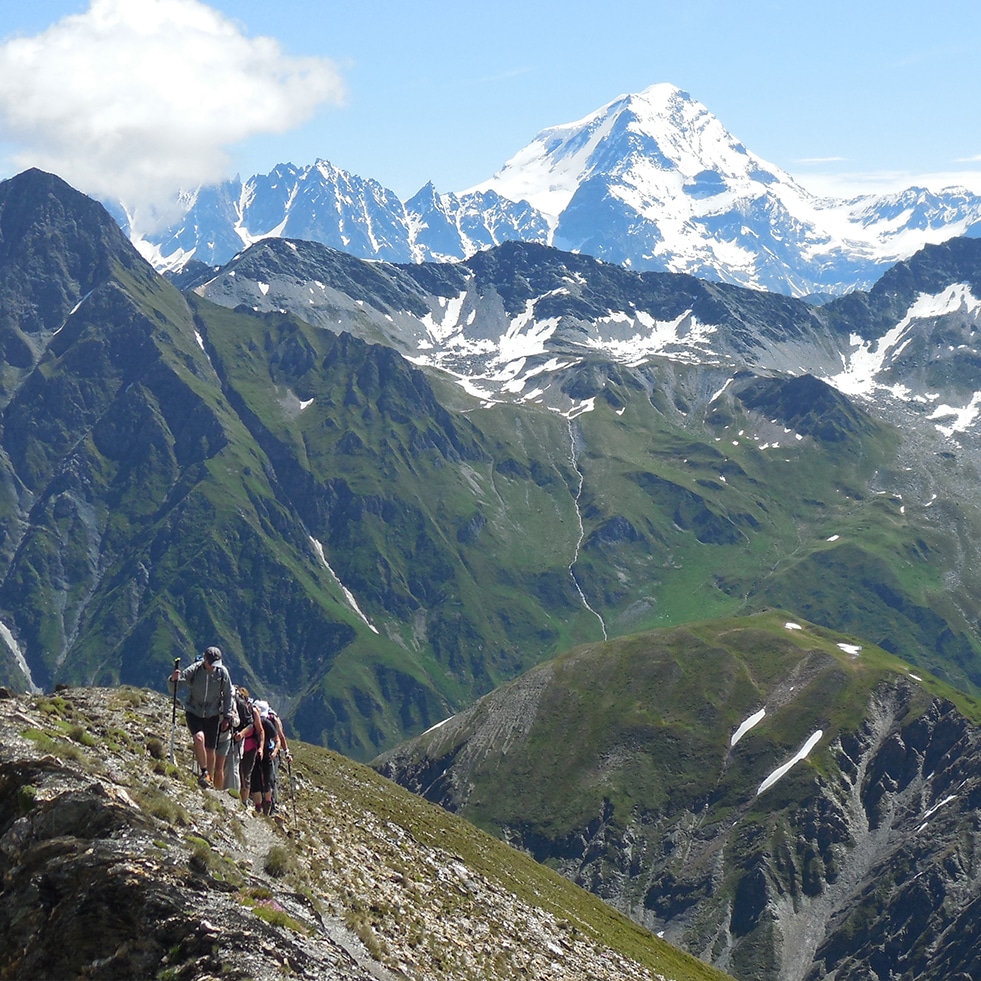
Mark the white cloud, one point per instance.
(820, 160)
(852, 184)
(136, 99)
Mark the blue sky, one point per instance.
(140, 95)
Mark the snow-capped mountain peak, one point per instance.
(652, 180)
(661, 142)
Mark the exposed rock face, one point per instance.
(115, 865)
(874, 876)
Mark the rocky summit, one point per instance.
(116, 865)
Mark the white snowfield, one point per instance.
(783, 770)
(509, 363)
(867, 361)
(745, 726)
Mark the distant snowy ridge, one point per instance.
(662, 145)
(651, 180)
(659, 171)
(509, 325)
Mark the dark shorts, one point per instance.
(263, 776)
(208, 726)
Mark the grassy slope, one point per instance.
(337, 778)
(479, 543)
(730, 524)
(643, 722)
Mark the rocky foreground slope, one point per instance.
(115, 865)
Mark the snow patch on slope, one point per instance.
(745, 726)
(867, 359)
(963, 418)
(801, 754)
(348, 595)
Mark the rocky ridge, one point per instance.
(115, 865)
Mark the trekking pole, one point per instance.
(289, 772)
(173, 717)
(237, 764)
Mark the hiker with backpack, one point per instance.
(284, 746)
(208, 708)
(223, 748)
(249, 739)
(284, 752)
(263, 773)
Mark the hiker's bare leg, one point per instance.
(200, 753)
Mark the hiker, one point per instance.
(249, 740)
(222, 749)
(208, 707)
(263, 773)
(284, 746)
(284, 750)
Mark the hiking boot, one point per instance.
(204, 781)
